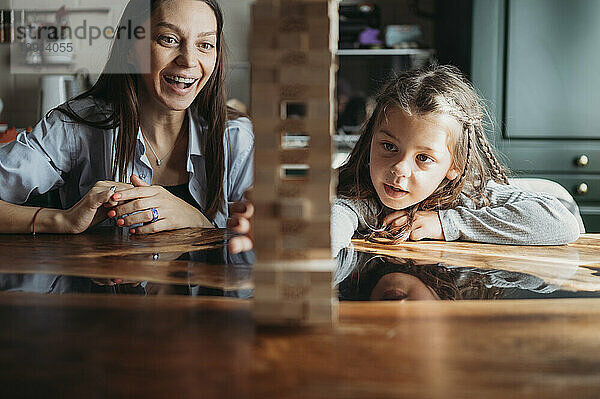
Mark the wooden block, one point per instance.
(318, 108)
(318, 278)
(279, 311)
(318, 261)
(294, 208)
(322, 292)
(293, 23)
(267, 277)
(294, 156)
(318, 10)
(264, 107)
(326, 313)
(271, 57)
(293, 41)
(302, 74)
(262, 75)
(299, 241)
(275, 123)
(266, 9)
(307, 256)
(302, 92)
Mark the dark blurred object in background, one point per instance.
(453, 22)
(356, 18)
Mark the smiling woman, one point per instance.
(151, 144)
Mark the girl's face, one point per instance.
(183, 52)
(410, 156)
(402, 287)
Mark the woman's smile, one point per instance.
(180, 84)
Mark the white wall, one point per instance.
(237, 36)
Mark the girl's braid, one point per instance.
(497, 170)
(468, 127)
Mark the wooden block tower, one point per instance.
(293, 49)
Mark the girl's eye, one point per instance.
(388, 146)
(424, 158)
(168, 40)
(207, 46)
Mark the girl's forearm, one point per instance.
(19, 219)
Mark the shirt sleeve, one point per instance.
(241, 161)
(36, 162)
(344, 222)
(513, 217)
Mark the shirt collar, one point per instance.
(196, 136)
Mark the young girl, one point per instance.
(423, 169)
(155, 142)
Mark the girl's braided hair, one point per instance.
(439, 90)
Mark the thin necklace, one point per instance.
(158, 160)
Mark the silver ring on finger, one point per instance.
(154, 215)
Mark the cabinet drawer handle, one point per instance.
(582, 189)
(582, 160)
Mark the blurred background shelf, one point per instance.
(386, 51)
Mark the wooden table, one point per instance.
(130, 346)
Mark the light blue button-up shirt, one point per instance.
(73, 157)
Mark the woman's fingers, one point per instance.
(242, 208)
(135, 192)
(238, 224)
(144, 216)
(240, 244)
(137, 182)
(159, 225)
(131, 207)
(100, 195)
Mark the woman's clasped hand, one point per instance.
(155, 208)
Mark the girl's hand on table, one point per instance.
(90, 211)
(241, 221)
(139, 202)
(426, 224)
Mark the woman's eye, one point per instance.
(388, 146)
(424, 158)
(168, 40)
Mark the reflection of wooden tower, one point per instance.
(293, 79)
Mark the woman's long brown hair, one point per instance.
(431, 90)
(120, 91)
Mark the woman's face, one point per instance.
(410, 156)
(183, 52)
(402, 287)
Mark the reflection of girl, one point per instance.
(167, 127)
(423, 168)
(392, 279)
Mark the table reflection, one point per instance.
(195, 262)
(190, 262)
(434, 271)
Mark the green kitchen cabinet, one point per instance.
(536, 63)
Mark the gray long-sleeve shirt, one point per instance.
(514, 216)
